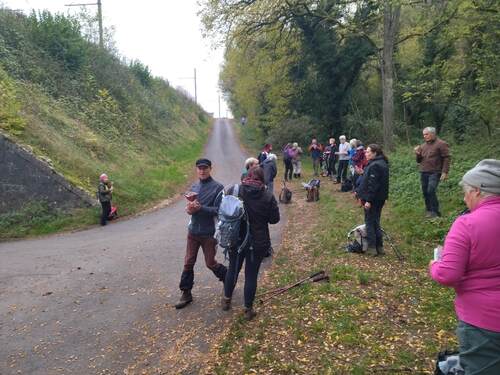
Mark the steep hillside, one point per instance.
(90, 112)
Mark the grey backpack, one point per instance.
(230, 218)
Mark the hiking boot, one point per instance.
(226, 304)
(249, 313)
(186, 299)
(380, 250)
(371, 251)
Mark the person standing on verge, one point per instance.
(287, 160)
(343, 154)
(201, 229)
(265, 151)
(470, 263)
(262, 210)
(315, 151)
(330, 162)
(297, 164)
(373, 193)
(105, 194)
(434, 159)
(270, 171)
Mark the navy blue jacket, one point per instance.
(203, 222)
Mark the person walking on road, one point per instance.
(434, 159)
(373, 193)
(270, 171)
(105, 194)
(203, 209)
(262, 210)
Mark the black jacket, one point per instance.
(375, 183)
(262, 210)
(203, 222)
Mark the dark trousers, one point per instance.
(430, 182)
(331, 167)
(208, 246)
(288, 169)
(342, 170)
(252, 265)
(316, 166)
(106, 210)
(374, 235)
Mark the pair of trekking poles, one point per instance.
(270, 294)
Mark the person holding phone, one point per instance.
(203, 204)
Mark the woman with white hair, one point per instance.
(249, 163)
(296, 163)
(470, 263)
(343, 154)
(270, 171)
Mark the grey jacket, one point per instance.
(202, 223)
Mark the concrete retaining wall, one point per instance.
(24, 178)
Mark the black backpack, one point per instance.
(346, 186)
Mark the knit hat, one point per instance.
(103, 177)
(485, 175)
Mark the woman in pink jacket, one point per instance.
(470, 263)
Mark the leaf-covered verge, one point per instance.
(89, 111)
(376, 315)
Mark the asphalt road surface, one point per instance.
(100, 301)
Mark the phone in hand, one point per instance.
(191, 196)
(437, 253)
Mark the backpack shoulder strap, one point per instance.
(236, 190)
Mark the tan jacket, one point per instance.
(434, 157)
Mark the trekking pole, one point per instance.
(398, 253)
(291, 285)
(317, 278)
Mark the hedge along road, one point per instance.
(100, 301)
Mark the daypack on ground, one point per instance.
(312, 188)
(357, 236)
(285, 194)
(230, 217)
(346, 186)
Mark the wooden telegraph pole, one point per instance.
(99, 17)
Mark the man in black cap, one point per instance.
(203, 204)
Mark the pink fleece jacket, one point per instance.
(470, 263)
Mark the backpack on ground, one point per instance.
(312, 189)
(231, 216)
(448, 363)
(285, 194)
(357, 237)
(346, 186)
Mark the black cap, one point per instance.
(205, 162)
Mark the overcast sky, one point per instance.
(163, 34)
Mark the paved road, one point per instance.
(100, 301)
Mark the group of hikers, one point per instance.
(469, 260)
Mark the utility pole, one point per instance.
(219, 105)
(99, 17)
(195, 90)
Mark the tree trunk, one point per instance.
(391, 25)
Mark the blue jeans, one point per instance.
(479, 350)
(252, 265)
(430, 182)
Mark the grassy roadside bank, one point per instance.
(141, 181)
(377, 315)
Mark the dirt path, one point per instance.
(100, 301)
